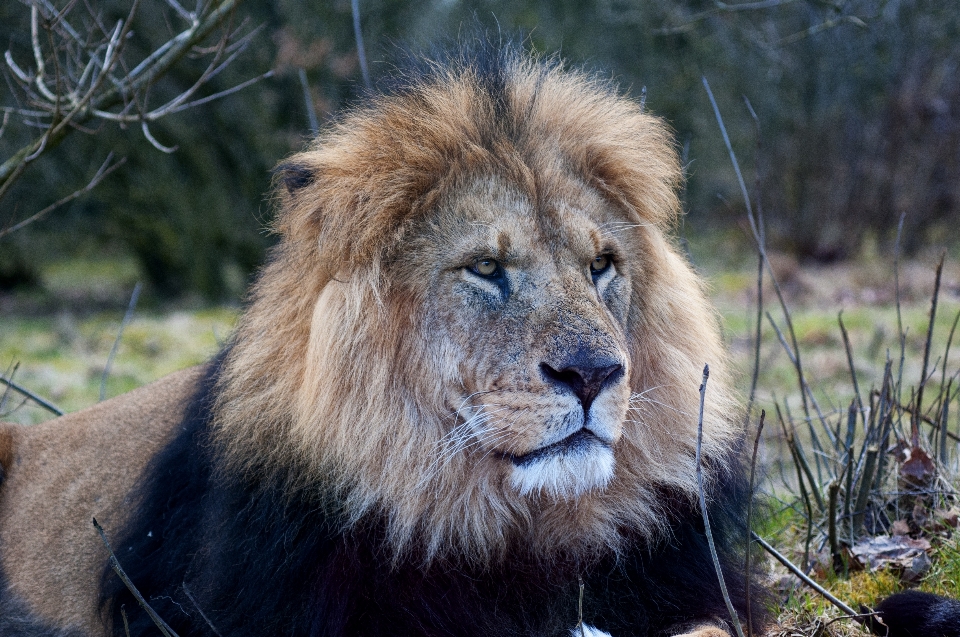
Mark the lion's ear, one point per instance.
(294, 176)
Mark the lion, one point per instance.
(462, 398)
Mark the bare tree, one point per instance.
(83, 73)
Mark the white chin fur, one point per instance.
(565, 475)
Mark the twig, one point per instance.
(358, 35)
(756, 349)
(792, 354)
(832, 490)
(101, 174)
(580, 608)
(746, 558)
(849, 350)
(721, 7)
(944, 421)
(116, 343)
(924, 419)
(896, 291)
(153, 140)
(308, 100)
(115, 564)
(761, 247)
(46, 404)
(703, 509)
(866, 481)
(186, 591)
(823, 26)
(793, 568)
(915, 428)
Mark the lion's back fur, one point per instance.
(61, 474)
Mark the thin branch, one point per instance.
(849, 351)
(823, 26)
(803, 576)
(104, 170)
(746, 559)
(186, 591)
(115, 564)
(215, 96)
(703, 509)
(915, 429)
(758, 237)
(43, 402)
(153, 140)
(721, 7)
(308, 100)
(358, 35)
(116, 343)
(186, 15)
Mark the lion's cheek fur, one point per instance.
(372, 431)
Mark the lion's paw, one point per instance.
(586, 630)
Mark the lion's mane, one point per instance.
(348, 203)
(303, 493)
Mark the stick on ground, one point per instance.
(706, 517)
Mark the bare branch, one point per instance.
(358, 35)
(92, 79)
(796, 570)
(127, 316)
(104, 170)
(216, 96)
(720, 7)
(823, 26)
(186, 15)
(115, 565)
(153, 140)
(43, 402)
(703, 508)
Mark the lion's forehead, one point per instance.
(563, 220)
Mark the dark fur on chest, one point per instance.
(215, 557)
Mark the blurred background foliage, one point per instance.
(844, 114)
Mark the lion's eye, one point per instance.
(486, 267)
(600, 265)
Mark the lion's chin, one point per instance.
(565, 472)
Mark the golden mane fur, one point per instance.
(331, 375)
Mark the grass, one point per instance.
(63, 358)
(62, 335)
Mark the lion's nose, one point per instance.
(586, 378)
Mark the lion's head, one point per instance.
(475, 325)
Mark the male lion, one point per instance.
(466, 382)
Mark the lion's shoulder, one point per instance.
(60, 474)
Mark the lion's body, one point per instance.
(62, 473)
(466, 380)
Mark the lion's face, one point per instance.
(525, 311)
(476, 326)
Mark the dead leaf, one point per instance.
(918, 469)
(897, 551)
(900, 527)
